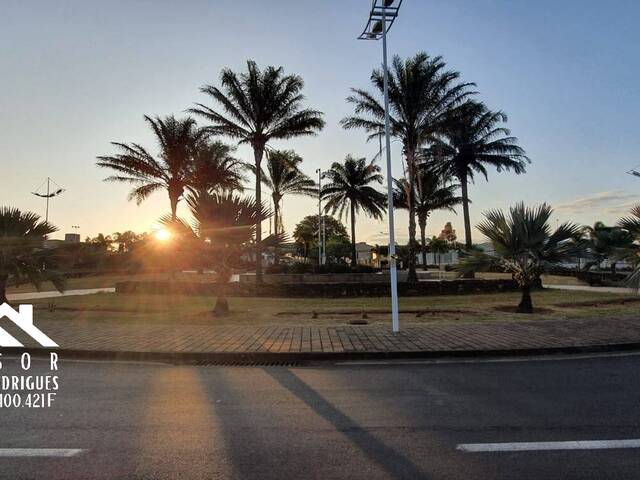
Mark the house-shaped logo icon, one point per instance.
(23, 318)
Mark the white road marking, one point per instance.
(40, 452)
(540, 446)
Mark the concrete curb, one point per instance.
(302, 358)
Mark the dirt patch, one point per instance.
(599, 303)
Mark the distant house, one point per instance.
(72, 238)
(364, 253)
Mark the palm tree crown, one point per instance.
(471, 140)
(349, 186)
(214, 169)
(524, 246)
(431, 193)
(169, 170)
(422, 94)
(22, 250)
(607, 243)
(257, 107)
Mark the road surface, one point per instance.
(554, 419)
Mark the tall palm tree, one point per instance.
(471, 140)
(283, 176)
(349, 186)
(421, 95)
(257, 107)
(22, 250)
(632, 254)
(169, 170)
(431, 193)
(524, 246)
(214, 169)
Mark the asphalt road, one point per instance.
(358, 422)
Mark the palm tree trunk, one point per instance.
(258, 151)
(465, 211)
(354, 253)
(221, 307)
(276, 227)
(467, 219)
(3, 289)
(174, 205)
(526, 305)
(411, 201)
(422, 221)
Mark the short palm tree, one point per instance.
(282, 177)
(472, 140)
(632, 225)
(223, 230)
(523, 245)
(214, 168)
(431, 193)
(349, 187)
(421, 95)
(607, 243)
(23, 254)
(169, 170)
(257, 107)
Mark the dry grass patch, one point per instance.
(180, 309)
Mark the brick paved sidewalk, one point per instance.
(339, 339)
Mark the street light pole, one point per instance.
(381, 18)
(319, 172)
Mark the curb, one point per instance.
(302, 358)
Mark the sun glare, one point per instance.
(163, 235)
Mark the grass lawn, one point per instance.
(178, 309)
(105, 281)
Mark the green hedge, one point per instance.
(321, 290)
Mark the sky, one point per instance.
(77, 75)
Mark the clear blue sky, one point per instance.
(79, 74)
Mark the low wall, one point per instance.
(321, 290)
(313, 278)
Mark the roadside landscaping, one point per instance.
(109, 281)
(196, 310)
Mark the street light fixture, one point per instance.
(382, 15)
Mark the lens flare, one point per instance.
(163, 235)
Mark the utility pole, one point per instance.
(48, 195)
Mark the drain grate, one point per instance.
(240, 363)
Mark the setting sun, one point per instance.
(163, 235)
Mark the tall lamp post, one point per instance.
(322, 249)
(381, 17)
